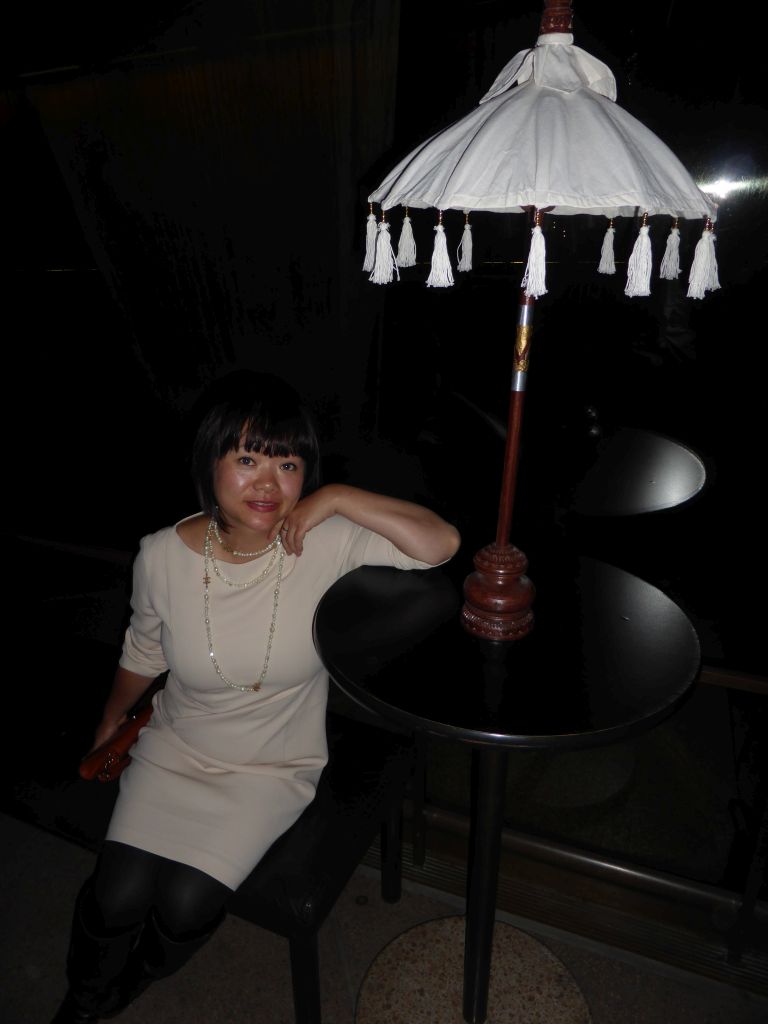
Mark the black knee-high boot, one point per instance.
(157, 956)
(94, 964)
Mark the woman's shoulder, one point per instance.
(190, 530)
(331, 541)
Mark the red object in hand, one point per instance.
(107, 761)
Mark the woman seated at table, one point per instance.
(236, 743)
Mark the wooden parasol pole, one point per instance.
(498, 596)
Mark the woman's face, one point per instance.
(255, 491)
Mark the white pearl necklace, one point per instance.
(240, 554)
(209, 559)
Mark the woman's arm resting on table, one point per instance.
(126, 690)
(413, 529)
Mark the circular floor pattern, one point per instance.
(417, 979)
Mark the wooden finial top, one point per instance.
(557, 17)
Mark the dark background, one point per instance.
(185, 189)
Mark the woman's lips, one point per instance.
(262, 506)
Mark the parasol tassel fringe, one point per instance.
(441, 275)
(535, 276)
(385, 265)
(406, 246)
(670, 265)
(370, 241)
(607, 263)
(703, 277)
(639, 267)
(464, 252)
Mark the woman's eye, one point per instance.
(291, 467)
(245, 460)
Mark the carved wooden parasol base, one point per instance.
(498, 595)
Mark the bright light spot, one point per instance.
(722, 188)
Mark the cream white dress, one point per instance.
(219, 774)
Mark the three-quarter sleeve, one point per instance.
(364, 547)
(142, 647)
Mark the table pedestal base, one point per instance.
(418, 979)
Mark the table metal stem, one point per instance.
(485, 847)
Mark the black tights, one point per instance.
(128, 883)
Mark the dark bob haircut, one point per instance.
(268, 413)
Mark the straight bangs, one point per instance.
(283, 437)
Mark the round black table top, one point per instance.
(638, 471)
(609, 656)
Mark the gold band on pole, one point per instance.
(522, 347)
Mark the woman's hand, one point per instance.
(304, 516)
(126, 690)
(105, 730)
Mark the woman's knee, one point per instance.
(122, 888)
(189, 902)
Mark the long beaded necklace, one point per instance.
(209, 560)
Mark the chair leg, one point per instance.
(391, 855)
(418, 795)
(305, 977)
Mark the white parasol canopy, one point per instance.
(548, 133)
(548, 136)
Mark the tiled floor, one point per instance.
(242, 976)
